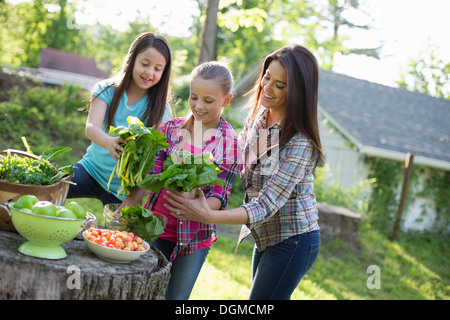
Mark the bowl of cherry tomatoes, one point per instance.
(114, 245)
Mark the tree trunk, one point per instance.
(81, 276)
(208, 35)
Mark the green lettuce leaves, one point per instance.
(183, 172)
(141, 222)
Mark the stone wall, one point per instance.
(341, 223)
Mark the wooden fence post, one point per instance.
(408, 168)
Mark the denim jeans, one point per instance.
(184, 271)
(88, 187)
(278, 269)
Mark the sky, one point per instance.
(169, 16)
(405, 27)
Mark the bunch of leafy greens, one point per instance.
(16, 168)
(183, 172)
(141, 222)
(139, 152)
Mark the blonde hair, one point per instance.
(217, 72)
(214, 71)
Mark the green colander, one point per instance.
(45, 234)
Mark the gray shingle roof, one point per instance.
(386, 118)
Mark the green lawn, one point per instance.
(414, 268)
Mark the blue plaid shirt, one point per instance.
(279, 196)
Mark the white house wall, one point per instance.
(421, 214)
(344, 162)
(348, 170)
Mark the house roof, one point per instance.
(69, 62)
(387, 122)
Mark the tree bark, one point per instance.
(209, 30)
(80, 276)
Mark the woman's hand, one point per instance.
(184, 208)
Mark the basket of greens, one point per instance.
(24, 173)
(138, 154)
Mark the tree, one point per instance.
(428, 74)
(28, 27)
(21, 28)
(321, 25)
(239, 28)
(334, 14)
(245, 34)
(208, 34)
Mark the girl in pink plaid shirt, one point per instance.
(186, 243)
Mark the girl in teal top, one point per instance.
(139, 90)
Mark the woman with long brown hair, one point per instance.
(281, 148)
(140, 90)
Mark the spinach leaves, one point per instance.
(138, 154)
(183, 172)
(141, 222)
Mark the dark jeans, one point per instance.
(88, 187)
(278, 269)
(184, 271)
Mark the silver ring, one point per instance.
(178, 212)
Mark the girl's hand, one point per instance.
(134, 198)
(190, 195)
(113, 144)
(189, 209)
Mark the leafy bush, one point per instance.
(354, 198)
(47, 117)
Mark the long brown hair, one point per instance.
(157, 94)
(303, 85)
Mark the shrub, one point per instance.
(327, 191)
(47, 117)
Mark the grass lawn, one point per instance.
(414, 268)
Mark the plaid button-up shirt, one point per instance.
(279, 196)
(223, 146)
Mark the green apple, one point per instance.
(26, 202)
(45, 208)
(66, 213)
(77, 209)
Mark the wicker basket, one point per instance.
(56, 193)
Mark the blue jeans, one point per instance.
(184, 271)
(88, 187)
(278, 269)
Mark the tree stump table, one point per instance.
(80, 276)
